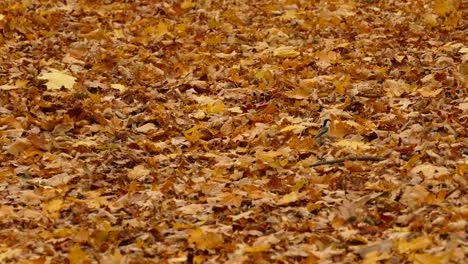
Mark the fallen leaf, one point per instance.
(146, 128)
(192, 209)
(342, 85)
(429, 171)
(256, 249)
(205, 239)
(338, 129)
(352, 144)
(443, 258)
(383, 248)
(119, 87)
(285, 52)
(10, 253)
(236, 110)
(244, 215)
(430, 92)
(77, 256)
(138, 172)
(404, 246)
(7, 87)
(289, 198)
(54, 205)
(375, 257)
(57, 79)
(414, 195)
(229, 199)
(296, 129)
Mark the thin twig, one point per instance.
(439, 69)
(370, 95)
(353, 158)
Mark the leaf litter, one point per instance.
(184, 131)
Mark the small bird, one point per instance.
(324, 128)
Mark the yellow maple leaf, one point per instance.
(205, 239)
(199, 114)
(429, 92)
(236, 110)
(119, 87)
(213, 23)
(405, 246)
(285, 52)
(215, 107)
(77, 256)
(412, 161)
(433, 259)
(299, 184)
(229, 199)
(181, 226)
(375, 257)
(7, 87)
(296, 129)
(352, 144)
(146, 128)
(442, 8)
(163, 28)
(289, 198)
(187, 4)
(338, 129)
(256, 249)
(214, 40)
(193, 134)
(267, 156)
(9, 253)
(54, 205)
(342, 85)
(57, 79)
(289, 15)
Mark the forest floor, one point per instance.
(185, 132)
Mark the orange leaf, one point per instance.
(433, 259)
(443, 7)
(289, 198)
(338, 129)
(193, 134)
(413, 160)
(229, 199)
(285, 52)
(375, 257)
(342, 85)
(299, 184)
(77, 256)
(404, 246)
(205, 239)
(256, 249)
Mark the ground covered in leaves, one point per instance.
(184, 132)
